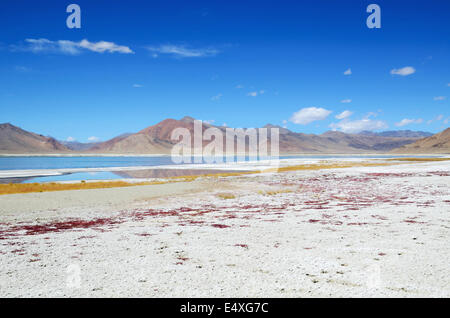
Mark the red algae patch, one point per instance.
(144, 234)
(358, 223)
(413, 221)
(220, 226)
(54, 227)
(20, 251)
(86, 237)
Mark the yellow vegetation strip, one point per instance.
(53, 186)
(12, 188)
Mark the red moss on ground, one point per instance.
(220, 226)
(54, 227)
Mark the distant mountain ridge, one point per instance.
(78, 146)
(156, 139)
(398, 133)
(82, 146)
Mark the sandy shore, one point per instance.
(368, 231)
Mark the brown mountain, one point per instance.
(156, 139)
(352, 143)
(438, 143)
(14, 140)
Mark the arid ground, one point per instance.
(357, 231)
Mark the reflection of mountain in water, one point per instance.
(14, 180)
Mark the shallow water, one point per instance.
(58, 162)
(102, 175)
(35, 162)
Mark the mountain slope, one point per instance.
(156, 139)
(14, 140)
(398, 133)
(438, 143)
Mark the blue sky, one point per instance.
(240, 63)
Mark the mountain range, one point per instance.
(438, 143)
(156, 139)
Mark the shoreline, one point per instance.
(237, 166)
(193, 155)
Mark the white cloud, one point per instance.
(103, 46)
(348, 72)
(71, 47)
(93, 139)
(307, 115)
(438, 118)
(356, 126)
(239, 86)
(346, 101)
(446, 121)
(256, 93)
(439, 98)
(448, 84)
(22, 69)
(69, 139)
(344, 114)
(216, 97)
(182, 51)
(404, 71)
(137, 85)
(209, 122)
(407, 121)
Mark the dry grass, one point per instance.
(226, 196)
(274, 192)
(326, 165)
(46, 187)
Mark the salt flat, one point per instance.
(361, 231)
